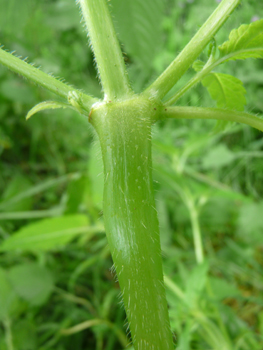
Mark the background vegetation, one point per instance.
(55, 269)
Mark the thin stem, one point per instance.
(198, 245)
(106, 48)
(213, 113)
(95, 322)
(192, 82)
(209, 66)
(174, 288)
(192, 50)
(34, 214)
(40, 78)
(8, 334)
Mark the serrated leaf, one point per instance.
(46, 234)
(244, 42)
(226, 90)
(139, 26)
(46, 105)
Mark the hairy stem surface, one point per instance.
(40, 78)
(131, 220)
(106, 48)
(213, 113)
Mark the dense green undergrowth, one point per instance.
(51, 193)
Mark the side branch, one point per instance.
(40, 78)
(213, 113)
(106, 48)
(164, 83)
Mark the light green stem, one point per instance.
(212, 113)
(40, 78)
(8, 334)
(106, 49)
(209, 66)
(192, 50)
(198, 245)
(131, 220)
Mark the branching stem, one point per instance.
(192, 50)
(40, 78)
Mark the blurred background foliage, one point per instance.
(56, 287)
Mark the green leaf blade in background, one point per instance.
(31, 282)
(7, 296)
(226, 90)
(138, 24)
(46, 234)
(17, 185)
(244, 42)
(196, 283)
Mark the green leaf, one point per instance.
(139, 26)
(31, 282)
(14, 15)
(46, 234)
(62, 15)
(244, 42)
(226, 90)
(17, 185)
(222, 289)
(217, 157)
(25, 336)
(75, 192)
(250, 223)
(14, 89)
(196, 282)
(7, 295)
(46, 105)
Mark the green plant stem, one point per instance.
(8, 334)
(213, 113)
(198, 245)
(208, 67)
(40, 78)
(95, 322)
(192, 50)
(191, 83)
(106, 49)
(130, 218)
